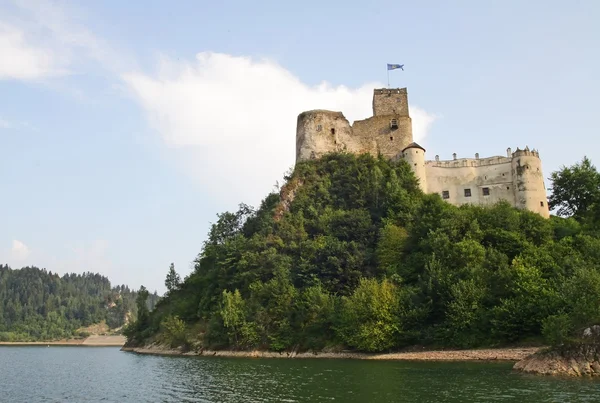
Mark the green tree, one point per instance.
(314, 316)
(233, 313)
(369, 317)
(142, 308)
(173, 280)
(390, 248)
(575, 189)
(173, 330)
(531, 300)
(271, 303)
(352, 253)
(36, 304)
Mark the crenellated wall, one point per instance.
(456, 176)
(517, 179)
(390, 101)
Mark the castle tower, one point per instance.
(319, 132)
(390, 127)
(390, 101)
(387, 132)
(414, 154)
(528, 182)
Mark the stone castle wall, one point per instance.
(382, 138)
(517, 178)
(387, 132)
(390, 101)
(529, 184)
(464, 180)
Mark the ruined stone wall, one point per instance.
(319, 132)
(381, 138)
(387, 132)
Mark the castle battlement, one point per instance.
(385, 91)
(470, 162)
(526, 152)
(516, 177)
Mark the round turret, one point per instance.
(528, 181)
(414, 154)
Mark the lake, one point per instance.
(105, 374)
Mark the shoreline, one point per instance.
(489, 354)
(92, 341)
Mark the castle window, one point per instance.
(541, 204)
(445, 194)
(332, 130)
(467, 192)
(508, 188)
(392, 138)
(319, 128)
(393, 124)
(486, 191)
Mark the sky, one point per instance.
(125, 127)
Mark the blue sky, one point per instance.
(125, 127)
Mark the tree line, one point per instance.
(351, 254)
(36, 304)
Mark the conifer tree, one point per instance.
(173, 280)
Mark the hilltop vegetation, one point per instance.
(354, 255)
(39, 305)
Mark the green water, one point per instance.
(80, 374)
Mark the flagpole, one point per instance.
(388, 75)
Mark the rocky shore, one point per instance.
(501, 354)
(580, 360)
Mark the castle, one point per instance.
(516, 178)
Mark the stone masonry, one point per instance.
(517, 178)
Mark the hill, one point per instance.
(37, 305)
(351, 254)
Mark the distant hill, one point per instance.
(36, 304)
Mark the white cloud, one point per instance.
(233, 119)
(21, 60)
(19, 251)
(47, 38)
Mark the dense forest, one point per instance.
(351, 254)
(39, 305)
